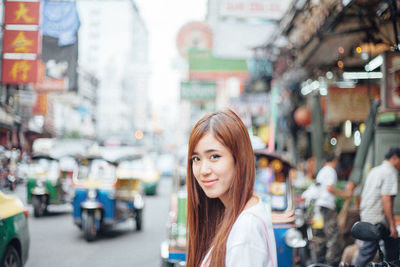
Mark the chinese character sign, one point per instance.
(21, 44)
(18, 41)
(25, 13)
(19, 71)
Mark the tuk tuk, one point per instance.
(105, 194)
(272, 184)
(46, 185)
(173, 250)
(143, 168)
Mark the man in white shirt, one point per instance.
(376, 207)
(326, 243)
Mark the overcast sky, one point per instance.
(163, 20)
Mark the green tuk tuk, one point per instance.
(46, 184)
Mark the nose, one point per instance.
(205, 167)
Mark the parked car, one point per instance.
(14, 231)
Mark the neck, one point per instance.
(392, 161)
(330, 164)
(251, 202)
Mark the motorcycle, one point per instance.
(366, 232)
(10, 180)
(304, 254)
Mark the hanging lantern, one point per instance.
(302, 116)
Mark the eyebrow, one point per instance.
(207, 151)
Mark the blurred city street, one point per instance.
(98, 99)
(56, 241)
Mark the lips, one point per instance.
(208, 183)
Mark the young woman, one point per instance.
(228, 224)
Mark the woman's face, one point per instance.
(214, 168)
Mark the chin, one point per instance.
(212, 194)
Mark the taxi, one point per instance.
(14, 232)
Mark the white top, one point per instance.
(251, 241)
(381, 180)
(326, 177)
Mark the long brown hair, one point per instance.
(208, 221)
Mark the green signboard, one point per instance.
(204, 66)
(193, 90)
(203, 60)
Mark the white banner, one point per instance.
(266, 9)
(237, 39)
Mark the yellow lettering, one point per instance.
(20, 69)
(21, 43)
(22, 13)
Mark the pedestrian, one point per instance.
(326, 243)
(228, 223)
(376, 207)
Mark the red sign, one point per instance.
(51, 84)
(19, 71)
(40, 107)
(21, 42)
(26, 13)
(194, 35)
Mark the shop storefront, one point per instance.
(328, 44)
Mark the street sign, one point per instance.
(18, 41)
(198, 91)
(15, 71)
(22, 13)
(265, 9)
(204, 66)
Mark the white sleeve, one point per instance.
(332, 177)
(248, 244)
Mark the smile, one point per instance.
(208, 183)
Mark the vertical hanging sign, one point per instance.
(21, 43)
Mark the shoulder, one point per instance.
(383, 171)
(374, 172)
(326, 175)
(326, 170)
(251, 241)
(250, 227)
(330, 171)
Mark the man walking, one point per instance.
(376, 207)
(326, 242)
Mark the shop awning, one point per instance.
(320, 35)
